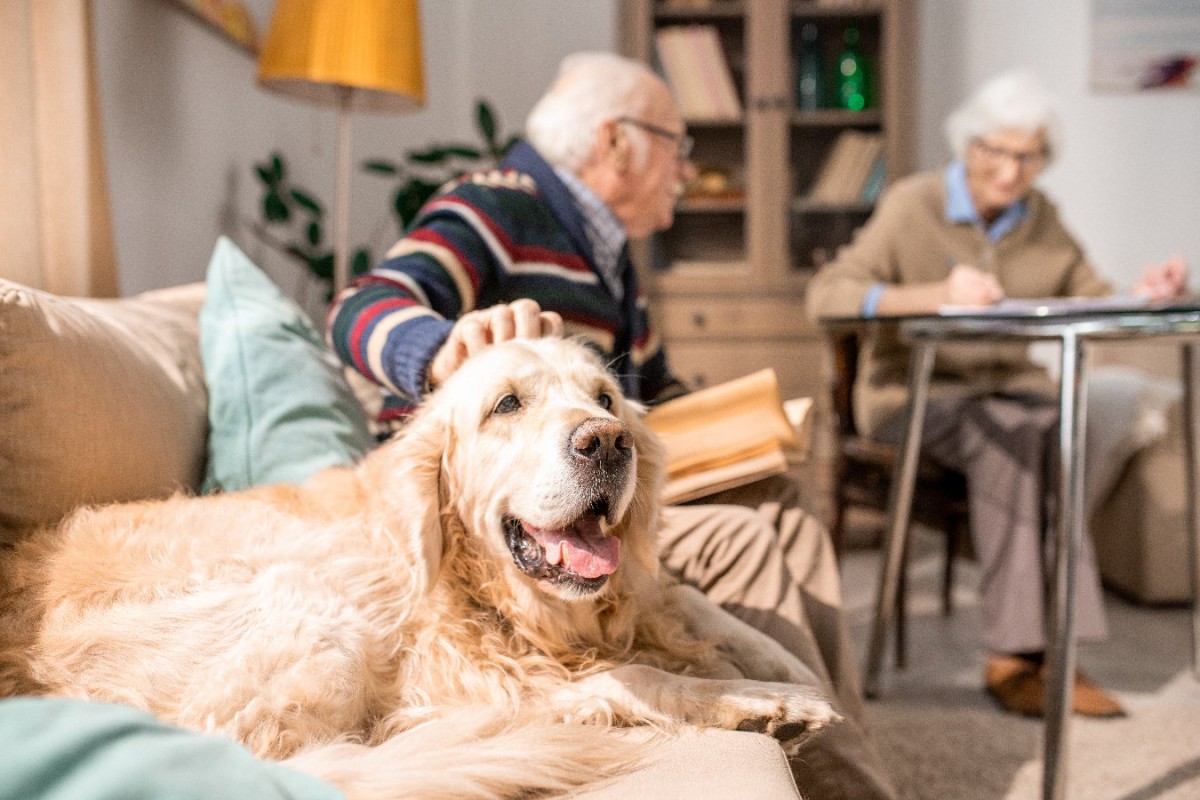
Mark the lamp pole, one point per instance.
(341, 209)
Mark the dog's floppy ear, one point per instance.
(404, 478)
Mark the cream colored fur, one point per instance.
(372, 625)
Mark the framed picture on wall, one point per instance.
(1145, 45)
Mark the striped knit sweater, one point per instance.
(492, 237)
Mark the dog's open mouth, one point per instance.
(580, 556)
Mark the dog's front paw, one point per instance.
(786, 712)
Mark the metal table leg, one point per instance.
(1060, 684)
(899, 509)
(1191, 425)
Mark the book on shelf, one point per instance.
(875, 180)
(684, 80)
(696, 69)
(728, 435)
(823, 185)
(714, 69)
(848, 168)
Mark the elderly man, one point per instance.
(538, 247)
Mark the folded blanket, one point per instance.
(1126, 411)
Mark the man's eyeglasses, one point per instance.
(1024, 161)
(683, 142)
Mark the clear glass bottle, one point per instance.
(853, 75)
(810, 80)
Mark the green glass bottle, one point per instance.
(853, 74)
(810, 83)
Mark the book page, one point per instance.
(719, 423)
(709, 481)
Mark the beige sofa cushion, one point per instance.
(1140, 529)
(708, 763)
(100, 400)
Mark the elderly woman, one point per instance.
(972, 234)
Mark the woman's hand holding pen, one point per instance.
(970, 286)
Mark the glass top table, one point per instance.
(1074, 324)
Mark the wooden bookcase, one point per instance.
(727, 282)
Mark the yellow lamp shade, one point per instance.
(355, 54)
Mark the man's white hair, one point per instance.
(592, 88)
(1013, 100)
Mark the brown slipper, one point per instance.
(1092, 701)
(1019, 686)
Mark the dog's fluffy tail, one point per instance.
(471, 755)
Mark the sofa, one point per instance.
(212, 385)
(1139, 520)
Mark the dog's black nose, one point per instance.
(601, 440)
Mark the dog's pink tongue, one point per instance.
(582, 548)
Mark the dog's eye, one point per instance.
(507, 405)
(605, 400)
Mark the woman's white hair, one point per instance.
(591, 89)
(1013, 100)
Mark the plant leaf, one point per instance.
(381, 167)
(322, 266)
(307, 201)
(274, 209)
(265, 175)
(410, 198)
(431, 155)
(277, 166)
(361, 262)
(464, 151)
(314, 233)
(486, 119)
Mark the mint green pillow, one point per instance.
(62, 749)
(279, 407)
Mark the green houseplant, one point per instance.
(293, 220)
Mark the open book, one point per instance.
(729, 435)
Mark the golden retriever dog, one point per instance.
(493, 567)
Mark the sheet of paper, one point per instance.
(1045, 306)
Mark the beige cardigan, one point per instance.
(909, 240)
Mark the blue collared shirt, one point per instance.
(605, 232)
(959, 208)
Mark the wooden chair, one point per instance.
(862, 477)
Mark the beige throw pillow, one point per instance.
(100, 401)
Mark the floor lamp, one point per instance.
(356, 55)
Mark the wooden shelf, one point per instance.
(814, 9)
(838, 118)
(802, 205)
(711, 205)
(714, 9)
(727, 257)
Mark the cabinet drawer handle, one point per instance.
(699, 319)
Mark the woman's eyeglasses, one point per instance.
(995, 155)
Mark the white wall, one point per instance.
(1128, 181)
(185, 122)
